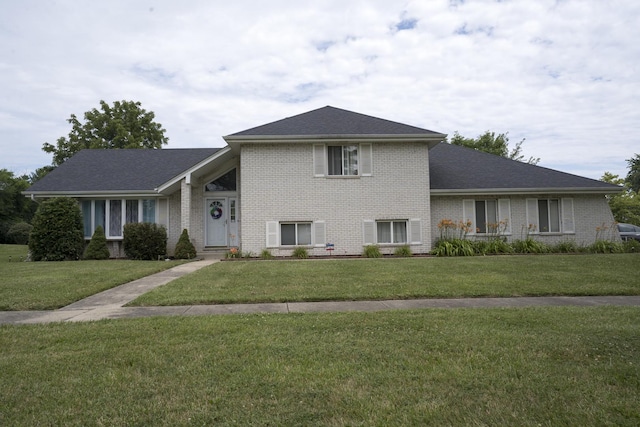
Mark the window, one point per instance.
(487, 216)
(342, 159)
(550, 215)
(295, 234)
(226, 182)
(391, 231)
(113, 214)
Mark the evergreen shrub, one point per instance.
(97, 248)
(144, 241)
(184, 247)
(57, 233)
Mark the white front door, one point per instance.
(217, 222)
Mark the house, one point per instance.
(326, 177)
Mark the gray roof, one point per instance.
(453, 167)
(120, 170)
(333, 121)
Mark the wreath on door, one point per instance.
(216, 209)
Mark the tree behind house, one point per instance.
(123, 125)
(491, 143)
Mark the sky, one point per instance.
(564, 75)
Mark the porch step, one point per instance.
(212, 254)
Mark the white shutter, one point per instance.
(469, 214)
(319, 233)
(568, 223)
(533, 222)
(369, 232)
(415, 231)
(504, 213)
(366, 160)
(272, 234)
(319, 160)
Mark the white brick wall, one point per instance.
(278, 185)
(590, 211)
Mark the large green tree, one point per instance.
(124, 125)
(491, 143)
(633, 177)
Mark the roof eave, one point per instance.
(519, 191)
(235, 141)
(170, 185)
(90, 194)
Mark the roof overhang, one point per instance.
(203, 167)
(91, 194)
(235, 141)
(523, 191)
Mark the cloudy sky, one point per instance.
(563, 74)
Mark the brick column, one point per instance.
(185, 206)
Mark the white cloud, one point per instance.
(562, 74)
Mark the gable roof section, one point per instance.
(454, 169)
(119, 170)
(331, 122)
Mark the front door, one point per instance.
(217, 223)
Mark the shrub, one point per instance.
(97, 248)
(606, 247)
(266, 254)
(565, 247)
(57, 233)
(403, 251)
(529, 246)
(184, 247)
(631, 246)
(300, 252)
(372, 251)
(144, 241)
(19, 233)
(233, 253)
(453, 247)
(494, 246)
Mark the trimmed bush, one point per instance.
(144, 241)
(372, 251)
(97, 248)
(19, 233)
(184, 247)
(57, 233)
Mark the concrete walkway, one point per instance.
(110, 303)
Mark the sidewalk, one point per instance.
(109, 304)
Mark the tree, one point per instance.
(491, 143)
(625, 206)
(123, 125)
(633, 177)
(57, 233)
(14, 206)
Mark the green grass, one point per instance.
(374, 279)
(536, 366)
(50, 285)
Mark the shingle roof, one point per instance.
(333, 121)
(120, 170)
(453, 167)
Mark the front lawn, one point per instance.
(402, 278)
(51, 285)
(535, 366)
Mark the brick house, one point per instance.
(328, 176)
